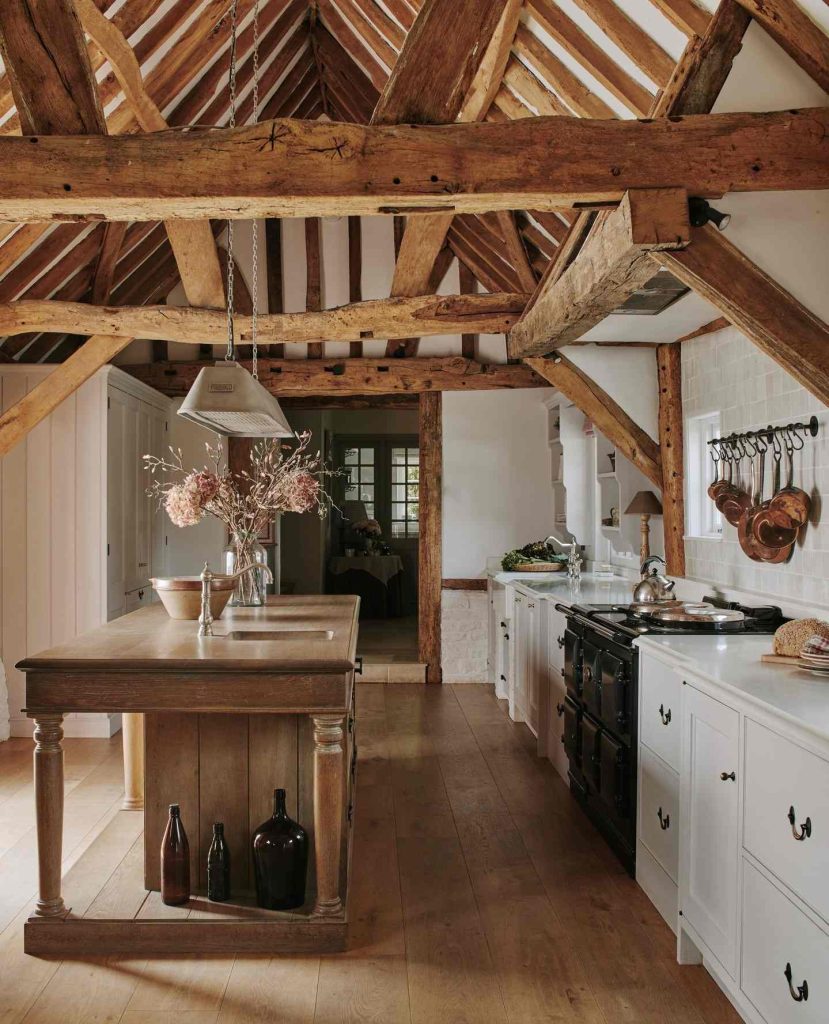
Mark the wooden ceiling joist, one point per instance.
(641, 48)
(317, 169)
(762, 309)
(567, 85)
(613, 263)
(490, 313)
(686, 15)
(302, 377)
(606, 414)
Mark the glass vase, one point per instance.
(244, 549)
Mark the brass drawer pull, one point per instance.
(801, 993)
(665, 715)
(725, 776)
(805, 830)
(664, 820)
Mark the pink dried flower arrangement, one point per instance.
(281, 478)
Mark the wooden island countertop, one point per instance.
(229, 718)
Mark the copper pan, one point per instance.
(772, 527)
(791, 500)
(733, 503)
(713, 487)
(752, 547)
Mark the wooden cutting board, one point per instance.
(779, 659)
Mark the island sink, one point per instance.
(269, 635)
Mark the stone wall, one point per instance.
(464, 636)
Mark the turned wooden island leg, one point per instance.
(328, 811)
(49, 809)
(132, 734)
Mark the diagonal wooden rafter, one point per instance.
(613, 263)
(606, 414)
(796, 33)
(435, 81)
(762, 309)
(193, 243)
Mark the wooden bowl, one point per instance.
(181, 595)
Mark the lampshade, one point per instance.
(228, 399)
(353, 511)
(644, 503)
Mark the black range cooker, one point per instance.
(601, 669)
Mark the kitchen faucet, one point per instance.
(573, 559)
(207, 577)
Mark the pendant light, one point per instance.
(226, 398)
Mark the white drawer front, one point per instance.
(781, 776)
(556, 624)
(777, 935)
(659, 701)
(659, 811)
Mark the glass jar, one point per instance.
(251, 588)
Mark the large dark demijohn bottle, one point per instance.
(218, 866)
(280, 859)
(175, 861)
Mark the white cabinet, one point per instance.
(497, 638)
(709, 825)
(524, 685)
(74, 485)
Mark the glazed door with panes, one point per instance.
(384, 473)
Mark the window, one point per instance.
(383, 473)
(704, 519)
(358, 464)
(405, 492)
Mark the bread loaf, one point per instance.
(791, 636)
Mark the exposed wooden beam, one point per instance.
(613, 263)
(426, 236)
(469, 341)
(705, 64)
(47, 61)
(310, 168)
(606, 414)
(671, 447)
(686, 15)
(47, 395)
(313, 276)
(710, 328)
(792, 29)
(347, 377)
(516, 253)
(375, 318)
(437, 65)
(634, 41)
(107, 260)
(355, 273)
(276, 289)
(775, 321)
(193, 244)
(430, 548)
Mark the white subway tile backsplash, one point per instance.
(726, 371)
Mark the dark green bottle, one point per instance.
(218, 866)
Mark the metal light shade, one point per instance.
(227, 399)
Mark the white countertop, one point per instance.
(591, 590)
(733, 662)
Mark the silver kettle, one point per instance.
(654, 587)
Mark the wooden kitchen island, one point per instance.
(265, 703)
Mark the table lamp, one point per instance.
(644, 504)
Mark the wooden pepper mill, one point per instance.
(644, 504)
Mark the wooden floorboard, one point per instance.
(480, 893)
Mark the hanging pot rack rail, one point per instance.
(760, 439)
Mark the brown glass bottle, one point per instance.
(175, 861)
(218, 866)
(280, 859)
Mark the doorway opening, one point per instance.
(372, 543)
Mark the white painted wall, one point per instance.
(496, 477)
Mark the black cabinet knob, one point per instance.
(560, 709)
(804, 831)
(665, 715)
(799, 993)
(725, 776)
(560, 641)
(664, 820)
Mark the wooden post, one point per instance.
(669, 367)
(48, 760)
(328, 811)
(430, 565)
(132, 730)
